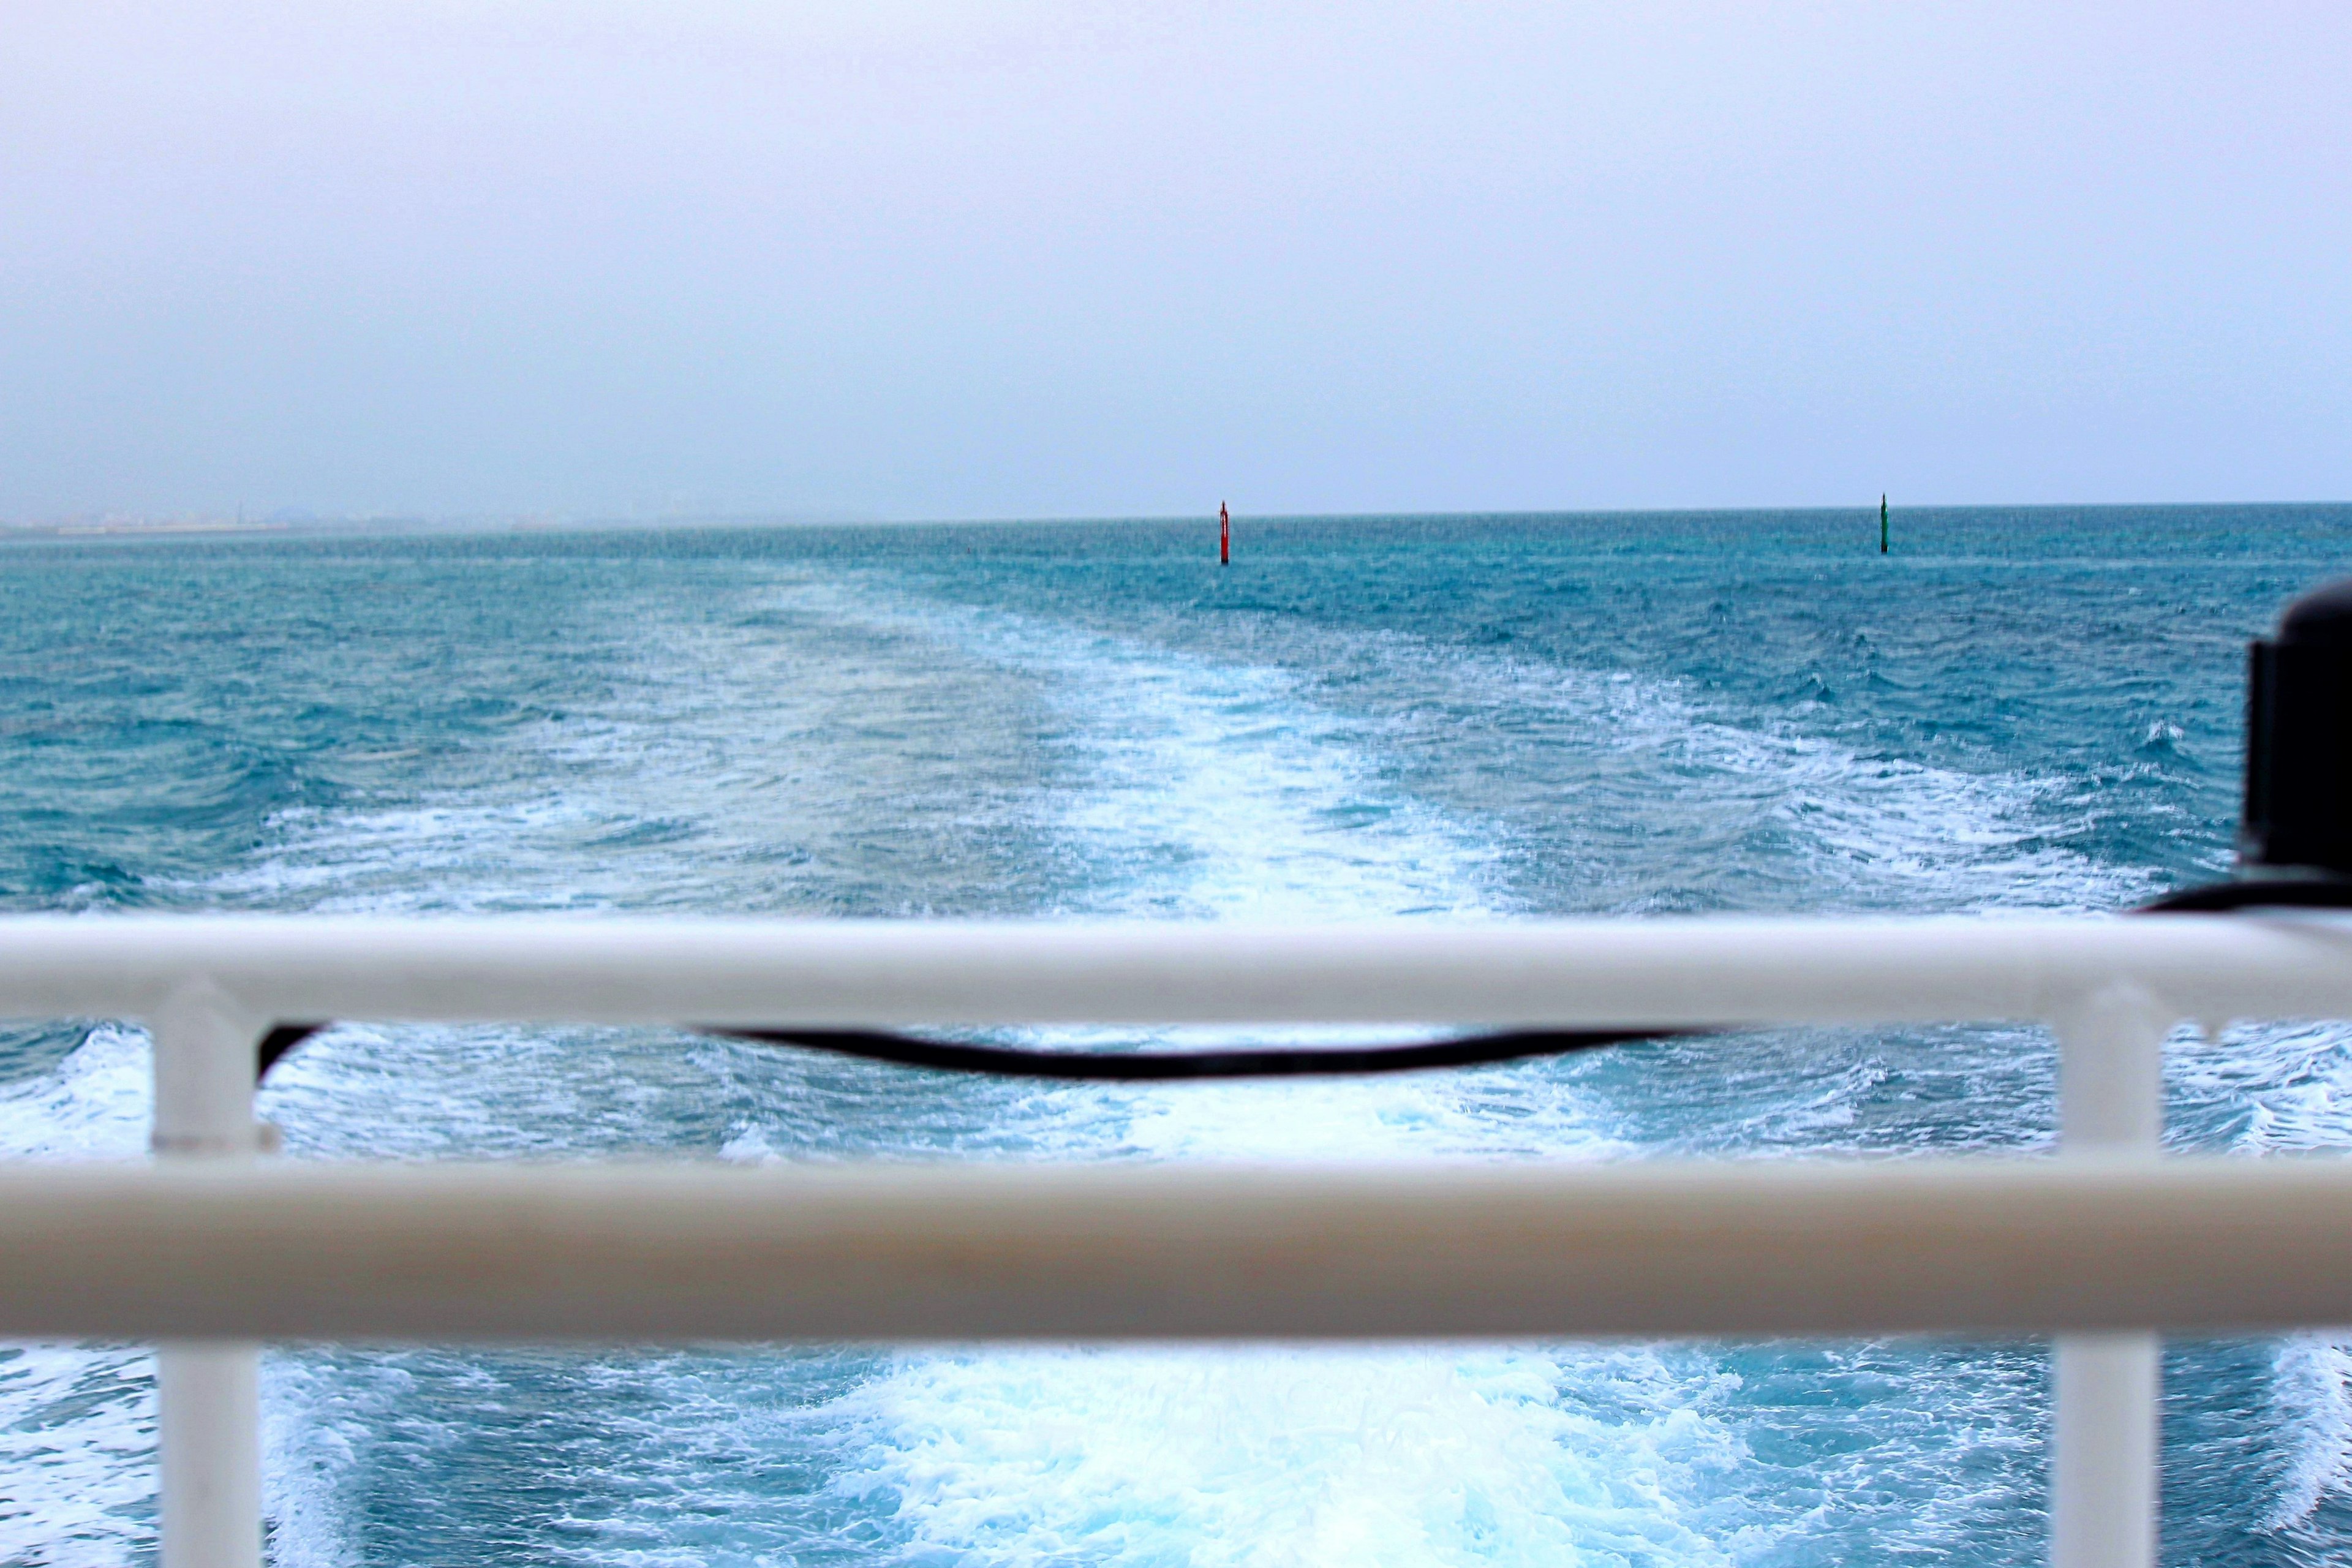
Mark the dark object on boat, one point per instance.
(274, 1046)
(2295, 830)
(2298, 809)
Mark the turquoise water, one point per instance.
(1456, 718)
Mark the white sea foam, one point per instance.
(77, 1454)
(2285, 1089)
(451, 857)
(1192, 789)
(1216, 794)
(94, 1106)
(1289, 1456)
(713, 765)
(1613, 760)
(1188, 789)
(77, 1422)
(319, 1414)
(1606, 764)
(2268, 1089)
(2312, 1389)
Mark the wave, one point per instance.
(1287, 1456)
(2312, 1394)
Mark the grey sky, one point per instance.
(943, 258)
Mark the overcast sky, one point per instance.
(928, 258)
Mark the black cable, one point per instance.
(1164, 1067)
(1466, 1051)
(1471, 1050)
(1138, 1067)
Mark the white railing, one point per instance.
(213, 1248)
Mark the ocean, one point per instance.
(1456, 719)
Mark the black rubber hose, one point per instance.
(1464, 1051)
(1136, 1066)
(1165, 1067)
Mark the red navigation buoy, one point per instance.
(1224, 537)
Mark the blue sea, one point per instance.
(1451, 719)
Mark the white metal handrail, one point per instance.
(652, 1251)
(1575, 974)
(214, 1242)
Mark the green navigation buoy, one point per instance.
(1882, 525)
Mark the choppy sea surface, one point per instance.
(1450, 719)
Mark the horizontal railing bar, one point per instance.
(682, 1252)
(1591, 973)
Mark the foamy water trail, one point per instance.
(1289, 1456)
(1189, 790)
(2283, 1090)
(1206, 790)
(1766, 816)
(2311, 1393)
(78, 1422)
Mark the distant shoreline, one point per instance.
(127, 528)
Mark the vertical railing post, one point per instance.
(2104, 1473)
(208, 1393)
